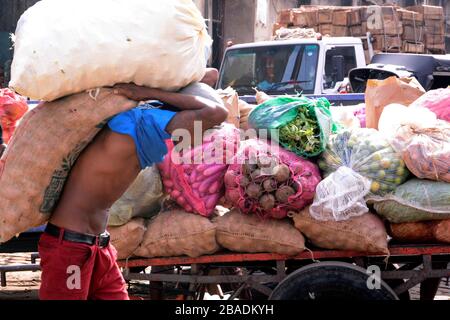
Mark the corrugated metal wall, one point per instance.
(10, 12)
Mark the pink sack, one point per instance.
(437, 101)
(302, 180)
(194, 179)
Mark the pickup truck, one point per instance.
(331, 67)
(314, 66)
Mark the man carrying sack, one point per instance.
(77, 260)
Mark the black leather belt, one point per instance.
(101, 240)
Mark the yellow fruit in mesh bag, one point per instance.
(400, 171)
(375, 187)
(386, 163)
(381, 174)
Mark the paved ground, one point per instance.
(25, 285)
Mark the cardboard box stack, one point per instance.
(433, 27)
(417, 29)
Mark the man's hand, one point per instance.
(134, 92)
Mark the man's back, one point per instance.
(101, 175)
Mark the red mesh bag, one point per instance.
(12, 108)
(292, 190)
(194, 178)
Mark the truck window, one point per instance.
(281, 69)
(349, 55)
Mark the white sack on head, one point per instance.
(64, 46)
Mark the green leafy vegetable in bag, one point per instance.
(303, 125)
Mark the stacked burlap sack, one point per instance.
(159, 44)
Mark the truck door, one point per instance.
(347, 54)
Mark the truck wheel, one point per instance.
(330, 281)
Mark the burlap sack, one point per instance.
(364, 233)
(44, 148)
(425, 231)
(442, 231)
(244, 110)
(230, 99)
(143, 198)
(412, 231)
(249, 233)
(178, 233)
(380, 93)
(128, 237)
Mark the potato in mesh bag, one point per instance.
(355, 163)
(365, 233)
(177, 233)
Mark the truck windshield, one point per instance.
(282, 69)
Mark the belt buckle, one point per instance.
(103, 239)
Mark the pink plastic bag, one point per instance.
(303, 178)
(437, 101)
(194, 179)
(12, 108)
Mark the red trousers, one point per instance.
(77, 271)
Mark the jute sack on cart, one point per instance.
(425, 231)
(142, 199)
(43, 149)
(249, 233)
(128, 237)
(365, 233)
(177, 233)
(158, 44)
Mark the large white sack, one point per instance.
(66, 46)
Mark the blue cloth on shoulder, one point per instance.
(146, 124)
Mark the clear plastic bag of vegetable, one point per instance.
(302, 125)
(194, 177)
(355, 163)
(421, 139)
(416, 200)
(269, 181)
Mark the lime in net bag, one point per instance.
(299, 124)
(355, 164)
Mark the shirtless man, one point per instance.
(76, 258)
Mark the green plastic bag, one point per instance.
(302, 125)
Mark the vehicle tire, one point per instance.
(330, 281)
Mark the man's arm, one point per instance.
(192, 108)
(181, 101)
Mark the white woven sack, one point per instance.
(65, 46)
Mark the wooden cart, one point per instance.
(320, 274)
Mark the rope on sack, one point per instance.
(386, 260)
(397, 28)
(384, 31)
(127, 269)
(94, 93)
(415, 31)
(312, 255)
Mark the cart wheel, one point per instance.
(330, 281)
